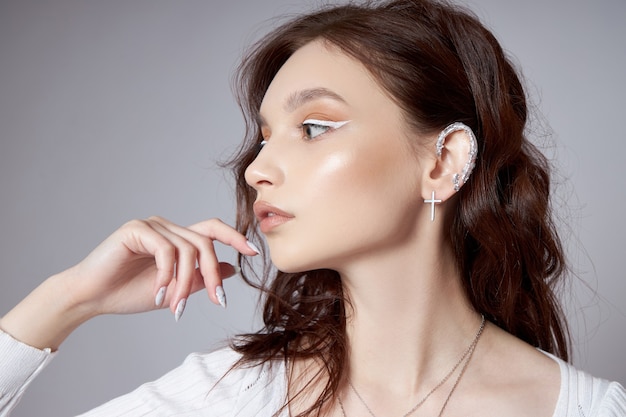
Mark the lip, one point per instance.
(270, 216)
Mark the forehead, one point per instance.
(320, 69)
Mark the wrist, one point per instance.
(69, 302)
(48, 315)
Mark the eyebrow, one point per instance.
(301, 97)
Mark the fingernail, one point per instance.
(158, 300)
(180, 308)
(221, 295)
(253, 247)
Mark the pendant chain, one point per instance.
(465, 359)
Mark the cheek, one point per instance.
(335, 179)
(346, 200)
(338, 170)
(362, 187)
(360, 175)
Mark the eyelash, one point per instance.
(260, 146)
(327, 125)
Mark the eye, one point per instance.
(312, 128)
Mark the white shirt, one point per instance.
(205, 385)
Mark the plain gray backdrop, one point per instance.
(113, 110)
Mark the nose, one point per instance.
(265, 170)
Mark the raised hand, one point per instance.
(144, 265)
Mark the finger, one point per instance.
(197, 283)
(202, 236)
(165, 260)
(187, 254)
(210, 269)
(204, 253)
(143, 239)
(226, 271)
(215, 229)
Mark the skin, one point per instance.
(123, 275)
(335, 174)
(362, 187)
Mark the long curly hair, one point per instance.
(440, 65)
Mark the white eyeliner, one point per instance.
(326, 123)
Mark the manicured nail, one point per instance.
(221, 295)
(253, 247)
(158, 300)
(180, 308)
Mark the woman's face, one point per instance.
(337, 180)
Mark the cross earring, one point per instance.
(432, 202)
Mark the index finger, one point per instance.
(215, 229)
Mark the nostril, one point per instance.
(256, 176)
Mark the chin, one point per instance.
(291, 257)
(291, 262)
(289, 267)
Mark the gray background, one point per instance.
(112, 110)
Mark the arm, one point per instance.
(125, 274)
(19, 365)
(47, 315)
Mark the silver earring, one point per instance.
(455, 181)
(473, 151)
(432, 202)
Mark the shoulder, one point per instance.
(222, 369)
(512, 378)
(213, 382)
(583, 395)
(239, 385)
(211, 365)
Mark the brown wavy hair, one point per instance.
(440, 65)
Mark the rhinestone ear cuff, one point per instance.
(457, 180)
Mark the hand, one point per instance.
(125, 274)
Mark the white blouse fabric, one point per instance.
(205, 385)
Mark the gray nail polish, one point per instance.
(221, 296)
(158, 300)
(180, 309)
(253, 246)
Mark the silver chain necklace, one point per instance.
(466, 355)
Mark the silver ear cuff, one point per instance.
(473, 152)
(455, 181)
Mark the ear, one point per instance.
(452, 163)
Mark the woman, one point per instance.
(386, 167)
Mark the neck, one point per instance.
(409, 321)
